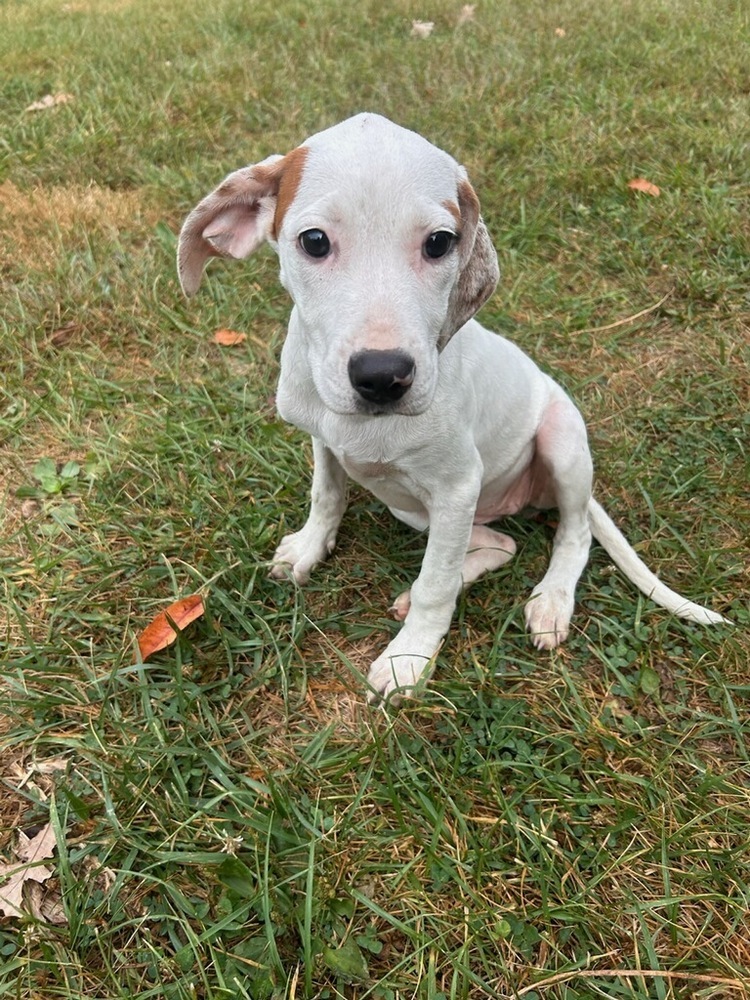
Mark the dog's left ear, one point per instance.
(478, 268)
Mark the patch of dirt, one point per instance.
(96, 6)
(40, 224)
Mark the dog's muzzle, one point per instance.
(381, 377)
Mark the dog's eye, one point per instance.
(438, 244)
(315, 243)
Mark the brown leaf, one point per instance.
(41, 845)
(11, 892)
(29, 509)
(160, 633)
(228, 338)
(466, 14)
(646, 187)
(61, 336)
(45, 905)
(422, 29)
(29, 850)
(50, 765)
(50, 101)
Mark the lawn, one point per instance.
(230, 819)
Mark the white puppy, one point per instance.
(383, 250)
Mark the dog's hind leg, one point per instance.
(563, 452)
(488, 550)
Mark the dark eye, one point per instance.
(438, 244)
(315, 243)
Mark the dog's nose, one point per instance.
(381, 376)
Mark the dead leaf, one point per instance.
(102, 878)
(41, 845)
(160, 633)
(542, 517)
(29, 850)
(23, 773)
(422, 29)
(228, 338)
(61, 336)
(617, 707)
(50, 765)
(11, 892)
(29, 509)
(45, 905)
(466, 14)
(50, 101)
(646, 187)
(560, 32)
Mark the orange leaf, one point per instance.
(160, 633)
(228, 338)
(641, 184)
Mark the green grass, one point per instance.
(232, 820)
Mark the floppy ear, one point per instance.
(244, 211)
(478, 268)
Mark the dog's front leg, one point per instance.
(300, 552)
(410, 655)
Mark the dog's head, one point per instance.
(381, 246)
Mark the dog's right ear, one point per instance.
(244, 211)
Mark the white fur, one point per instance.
(480, 433)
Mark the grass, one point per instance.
(232, 820)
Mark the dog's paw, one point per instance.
(299, 553)
(400, 607)
(548, 615)
(400, 669)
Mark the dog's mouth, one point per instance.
(399, 409)
(407, 400)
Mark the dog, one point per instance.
(386, 257)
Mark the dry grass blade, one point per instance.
(627, 319)
(694, 977)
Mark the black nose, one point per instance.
(381, 376)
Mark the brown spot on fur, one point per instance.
(468, 203)
(455, 211)
(478, 271)
(290, 174)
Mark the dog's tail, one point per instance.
(606, 532)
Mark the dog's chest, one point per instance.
(368, 472)
(388, 481)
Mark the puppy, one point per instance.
(383, 251)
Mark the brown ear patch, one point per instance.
(290, 169)
(455, 211)
(247, 208)
(478, 269)
(468, 203)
